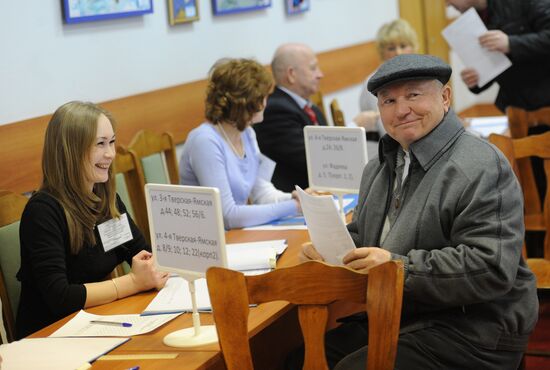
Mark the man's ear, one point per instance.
(291, 75)
(446, 93)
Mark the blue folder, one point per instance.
(299, 220)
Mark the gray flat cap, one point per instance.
(409, 67)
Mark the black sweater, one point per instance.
(52, 279)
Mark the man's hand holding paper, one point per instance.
(326, 228)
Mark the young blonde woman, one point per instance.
(75, 230)
(394, 38)
(223, 152)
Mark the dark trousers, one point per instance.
(428, 348)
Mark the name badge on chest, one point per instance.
(115, 232)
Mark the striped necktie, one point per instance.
(311, 114)
(397, 200)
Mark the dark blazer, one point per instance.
(281, 138)
(527, 24)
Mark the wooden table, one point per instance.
(273, 326)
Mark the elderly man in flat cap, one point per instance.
(448, 205)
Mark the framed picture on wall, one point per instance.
(296, 6)
(183, 11)
(76, 11)
(235, 6)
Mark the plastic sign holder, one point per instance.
(187, 237)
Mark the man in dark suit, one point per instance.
(280, 135)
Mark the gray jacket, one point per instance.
(459, 233)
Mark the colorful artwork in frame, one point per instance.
(235, 6)
(76, 11)
(296, 6)
(183, 11)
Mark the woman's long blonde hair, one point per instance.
(70, 135)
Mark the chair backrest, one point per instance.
(317, 99)
(337, 114)
(515, 150)
(312, 286)
(157, 154)
(130, 185)
(11, 209)
(519, 121)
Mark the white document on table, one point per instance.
(55, 353)
(463, 37)
(486, 126)
(250, 258)
(81, 325)
(327, 230)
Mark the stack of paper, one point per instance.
(55, 353)
(250, 258)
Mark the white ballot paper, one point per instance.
(463, 37)
(82, 326)
(327, 230)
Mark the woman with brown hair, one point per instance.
(223, 152)
(75, 230)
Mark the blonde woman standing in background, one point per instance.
(394, 38)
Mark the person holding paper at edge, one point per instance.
(521, 30)
(75, 229)
(448, 205)
(223, 152)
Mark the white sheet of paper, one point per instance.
(486, 126)
(55, 353)
(175, 297)
(463, 37)
(251, 258)
(80, 325)
(327, 230)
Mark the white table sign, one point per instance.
(336, 157)
(186, 225)
(187, 237)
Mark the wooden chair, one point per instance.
(130, 184)
(536, 219)
(312, 286)
(317, 99)
(157, 155)
(337, 114)
(519, 121)
(11, 209)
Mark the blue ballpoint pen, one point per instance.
(133, 368)
(112, 323)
